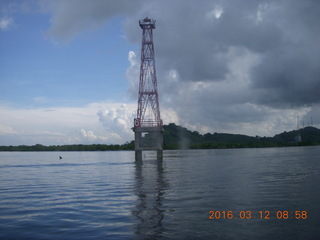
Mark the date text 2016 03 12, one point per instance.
(265, 214)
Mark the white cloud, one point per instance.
(118, 119)
(216, 13)
(6, 23)
(6, 130)
(66, 125)
(111, 123)
(132, 74)
(88, 136)
(105, 122)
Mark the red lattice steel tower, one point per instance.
(148, 114)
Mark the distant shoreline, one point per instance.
(104, 148)
(177, 137)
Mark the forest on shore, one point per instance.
(177, 137)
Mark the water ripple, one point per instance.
(108, 195)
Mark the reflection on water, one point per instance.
(150, 188)
(107, 195)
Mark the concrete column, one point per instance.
(159, 154)
(137, 140)
(138, 155)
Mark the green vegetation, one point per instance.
(177, 137)
(78, 147)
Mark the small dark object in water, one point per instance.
(60, 157)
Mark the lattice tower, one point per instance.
(148, 113)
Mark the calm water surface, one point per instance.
(107, 195)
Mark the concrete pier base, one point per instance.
(148, 139)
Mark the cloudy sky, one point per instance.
(69, 68)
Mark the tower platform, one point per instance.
(148, 139)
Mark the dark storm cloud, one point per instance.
(193, 38)
(183, 41)
(72, 17)
(250, 56)
(289, 77)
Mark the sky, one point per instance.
(69, 69)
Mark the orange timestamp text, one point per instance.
(215, 215)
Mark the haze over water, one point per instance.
(107, 195)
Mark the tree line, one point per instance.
(177, 137)
(75, 147)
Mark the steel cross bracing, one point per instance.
(148, 114)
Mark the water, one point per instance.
(107, 195)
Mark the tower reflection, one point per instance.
(150, 188)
